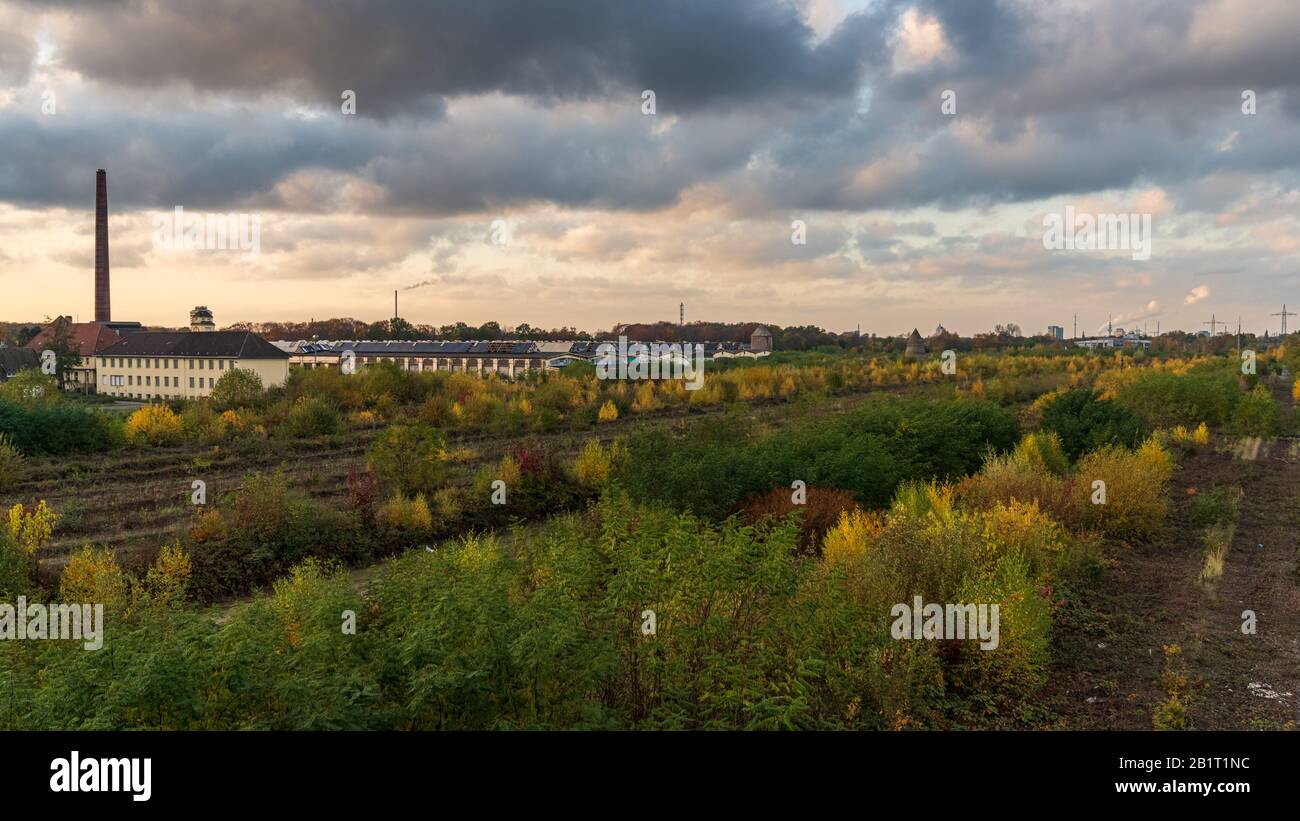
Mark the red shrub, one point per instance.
(821, 511)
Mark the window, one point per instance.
(176, 363)
(130, 380)
(221, 364)
(191, 381)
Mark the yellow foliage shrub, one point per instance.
(644, 400)
(153, 425)
(851, 537)
(167, 580)
(31, 527)
(93, 577)
(1131, 503)
(1201, 435)
(608, 411)
(595, 464)
(408, 515)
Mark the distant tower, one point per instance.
(103, 313)
(915, 346)
(681, 314)
(760, 339)
(201, 319)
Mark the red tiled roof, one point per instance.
(85, 337)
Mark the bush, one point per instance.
(313, 416)
(867, 452)
(1256, 414)
(153, 425)
(268, 529)
(849, 538)
(1135, 482)
(13, 467)
(1165, 399)
(408, 458)
(595, 465)
(1042, 451)
(93, 576)
(1216, 505)
(237, 388)
(31, 388)
(407, 519)
(58, 428)
(821, 510)
(1084, 422)
(167, 581)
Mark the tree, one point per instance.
(30, 388)
(239, 388)
(66, 353)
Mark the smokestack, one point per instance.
(102, 310)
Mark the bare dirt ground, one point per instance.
(1110, 654)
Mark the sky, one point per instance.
(500, 160)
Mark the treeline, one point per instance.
(398, 328)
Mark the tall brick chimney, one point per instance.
(102, 311)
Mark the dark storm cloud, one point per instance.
(397, 55)
(1052, 100)
(202, 162)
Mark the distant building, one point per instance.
(760, 339)
(1056, 332)
(185, 365)
(86, 339)
(915, 346)
(13, 360)
(1128, 340)
(201, 319)
(506, 358)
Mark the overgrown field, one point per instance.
(672, 563)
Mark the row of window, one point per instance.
(117, 381)
(136, 362)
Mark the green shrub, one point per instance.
(1084, 422)
(408, 458)
(237, 388)
(1256, 414)
(13, 467)
(868, 452)
(1167, 399)
(1216, 505)
(59, 428)
(313, 416)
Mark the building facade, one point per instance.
(510, 359)
(152, 365)
(86, 339)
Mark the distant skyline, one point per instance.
(471, 117)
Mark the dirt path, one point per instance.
(1110, 648)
